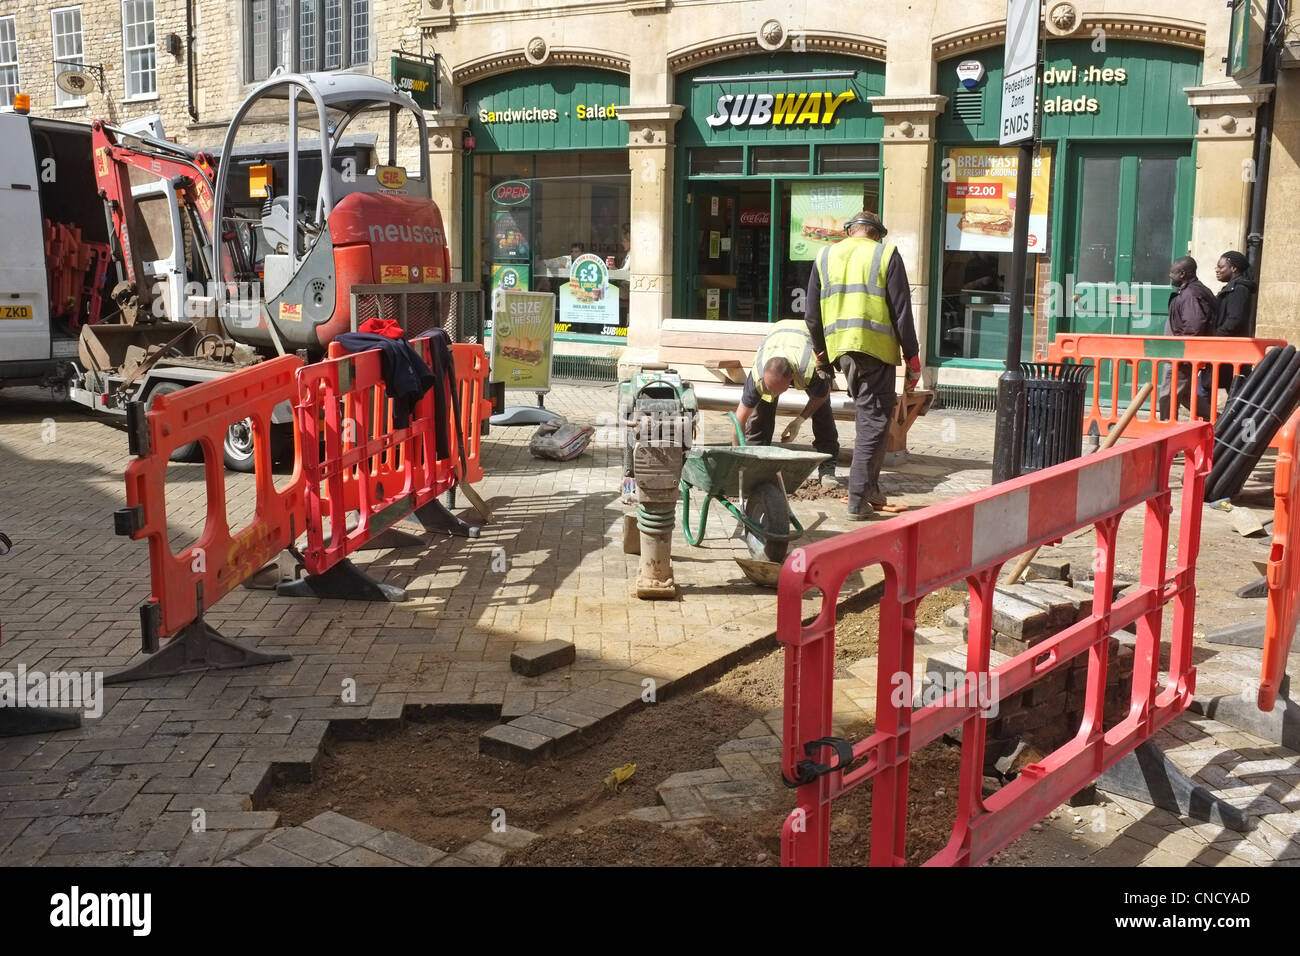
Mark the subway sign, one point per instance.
(753, 110)
(418, 80)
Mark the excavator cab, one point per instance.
(323, 220)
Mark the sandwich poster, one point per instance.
(818, 212)
(981, 200)
(522, 326)
(588, 298)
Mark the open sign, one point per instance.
(511, 193)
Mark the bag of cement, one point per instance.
(561, 441)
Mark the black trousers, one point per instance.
(761, 425)
(871, 386)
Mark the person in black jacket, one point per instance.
(1232, 317)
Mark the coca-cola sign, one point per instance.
(756, 217)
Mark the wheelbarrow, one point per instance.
(757, 474)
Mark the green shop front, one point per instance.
(547, 184)
(1110, 207)
(775, 152)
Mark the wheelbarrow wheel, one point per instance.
(768, 508)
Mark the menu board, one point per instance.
(980, 205)
(522, 329)
(818, 212)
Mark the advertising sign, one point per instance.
(588, 298)
(980, 205)
(818, 212)
(419, 80)
(510, 235)
(522, 329)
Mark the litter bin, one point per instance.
(1054, 398)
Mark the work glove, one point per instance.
(792, 430)
(913, 377)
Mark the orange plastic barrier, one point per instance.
(1145, 358)
(969, 539)
(1283, 614)
(366, 464)
(185, 585)
(475, 405)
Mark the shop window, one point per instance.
(767, 160)
(978, 211)
(861, 158)
(726, 161)
(536, 212)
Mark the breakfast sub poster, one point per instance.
(981, 200)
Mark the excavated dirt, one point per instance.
(428, 781)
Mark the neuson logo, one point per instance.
(77, 909)
(395, 233)
(778, 109)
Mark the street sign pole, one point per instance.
(1019, 126)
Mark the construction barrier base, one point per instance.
(435, 517)
(19, 721)
(1148, 776)
(196, 648)
(344, 581)
(1280, 726)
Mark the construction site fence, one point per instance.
(1283, 572)
(365, 466)
(1124, 363)
(968, 540)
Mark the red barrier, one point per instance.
(472, 372)
(970, 538)
(1283, 614)
(221, 559)
(1145, 358)
(367, 465)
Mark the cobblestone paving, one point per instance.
(125, 788)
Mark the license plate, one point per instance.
(15, 311)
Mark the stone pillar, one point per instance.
(908, 183)
(650, 160)
(447, 182)
(1225, 147)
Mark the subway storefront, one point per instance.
(775, 152)
(1110, 207)
(547, 192)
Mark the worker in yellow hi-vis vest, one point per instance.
(860, 319)
(786, 360)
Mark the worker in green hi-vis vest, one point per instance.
(786, 360)
(860, 318)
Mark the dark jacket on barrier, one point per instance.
(1233, 313)
(405, 374)
(1191, 310)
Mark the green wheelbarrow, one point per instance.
(760, 475)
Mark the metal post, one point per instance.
(1273, 25)
(1009, 437)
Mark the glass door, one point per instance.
(711, 239)
(1131, 217)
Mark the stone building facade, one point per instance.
(638, 130)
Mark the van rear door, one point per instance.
(24, 290)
